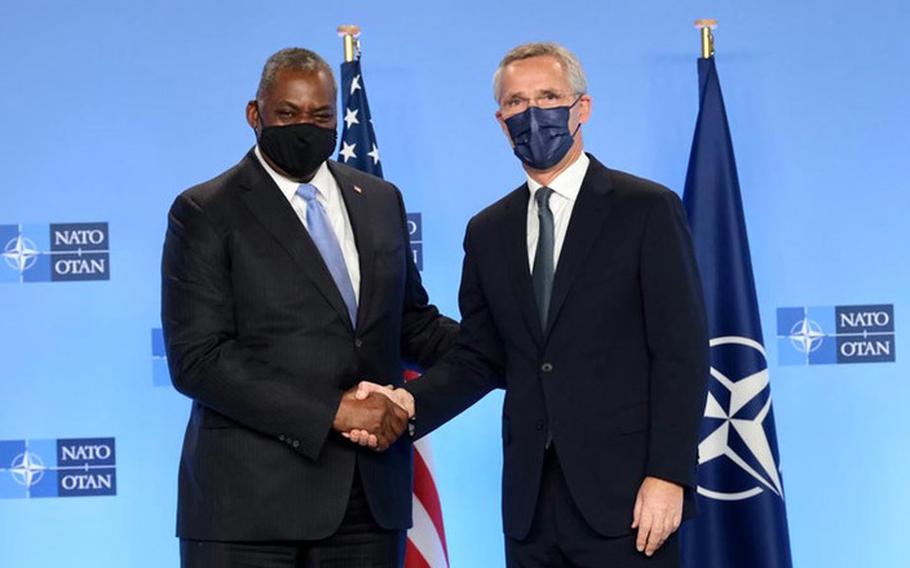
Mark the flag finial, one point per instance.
(706, 25)
(350, 34)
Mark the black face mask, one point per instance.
(298, 149)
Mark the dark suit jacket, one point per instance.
(619, 375)
(259, 337)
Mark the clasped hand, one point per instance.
(373, 416)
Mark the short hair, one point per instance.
(569, 62)
(296, 58)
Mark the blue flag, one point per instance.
(358, 141)
(742, 519)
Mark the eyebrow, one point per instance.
(287, 103)
(512, 95)
(538, 93)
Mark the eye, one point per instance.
(552, 96)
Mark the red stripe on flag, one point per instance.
(413, 558)
(425, 491)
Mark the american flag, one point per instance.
(426, 540)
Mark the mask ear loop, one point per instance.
(577, 128)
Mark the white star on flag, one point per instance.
(355, 84)
(350, 117)
(374, 154)
(347, 151)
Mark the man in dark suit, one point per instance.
(285, 279)
(580, 296)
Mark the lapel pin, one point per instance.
(357, 189)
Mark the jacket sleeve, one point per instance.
(677, 340)
(426, 335)
(472, 368)
(207, 362)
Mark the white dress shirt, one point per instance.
(565, 192)
(329, 195)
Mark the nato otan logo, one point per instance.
(76, 467)
(835, 334)
(415, 232)
(58, 252)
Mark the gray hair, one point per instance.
(296, 58)
(569, 62)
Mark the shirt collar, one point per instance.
(568, 183)
(322, 180)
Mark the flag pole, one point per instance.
(706, 25)
(350, 34)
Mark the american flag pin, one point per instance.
(357, 189)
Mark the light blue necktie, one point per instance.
(324, 237)
(543, 256)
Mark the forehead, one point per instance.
(302, 87)
(536, 73)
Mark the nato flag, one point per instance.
(742, 520)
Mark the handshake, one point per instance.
(373, 415)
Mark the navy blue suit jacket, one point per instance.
(618, 377)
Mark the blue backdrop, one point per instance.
(110, 109)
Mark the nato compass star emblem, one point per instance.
(20, 254)
(736, 460)
(806, 336)
(27, 469)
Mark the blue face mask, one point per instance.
(541, 135)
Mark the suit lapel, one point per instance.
(587, 221)
(515, 244)
(273, 211)
(357, 204)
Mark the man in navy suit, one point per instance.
(581, 297)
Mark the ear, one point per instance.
(585, 105)
(252, 116)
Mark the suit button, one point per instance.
(296, 443)
(358, 343)
(540, 424)
(281, 437)
(546, 367)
